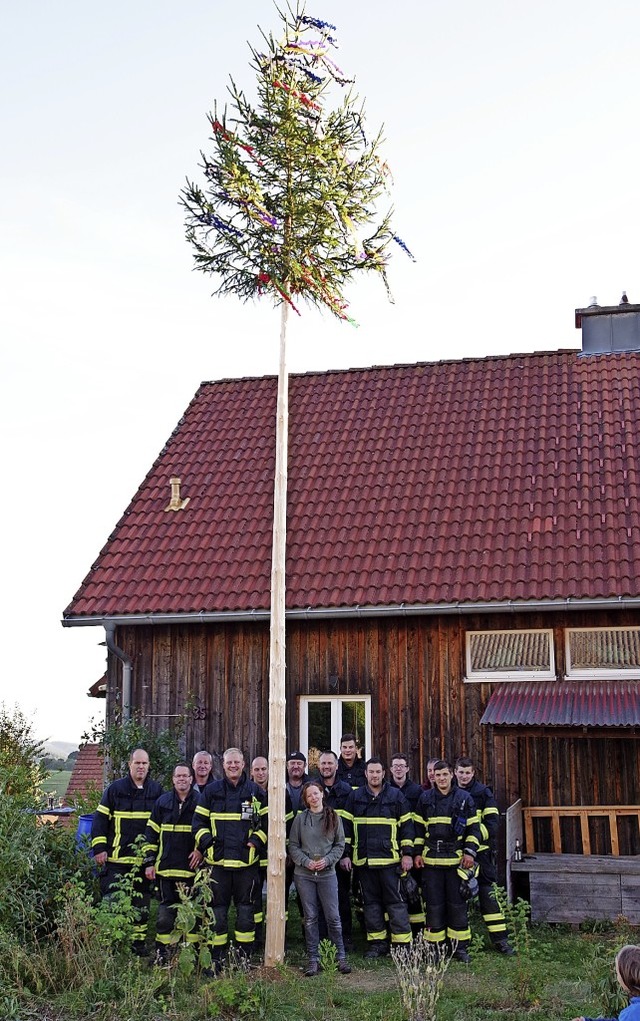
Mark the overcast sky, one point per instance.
(512, 134)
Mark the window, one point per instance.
(604, 652)
(510, 656)
(324, 720)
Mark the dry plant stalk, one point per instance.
(420, 970)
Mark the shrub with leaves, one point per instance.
(21, 771)
(120, 739)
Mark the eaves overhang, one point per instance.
(345, 612)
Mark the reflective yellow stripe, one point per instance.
(377, 861)
(368, 820)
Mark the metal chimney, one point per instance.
(609, 328)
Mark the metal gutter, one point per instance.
(127, 667)
(325, 612)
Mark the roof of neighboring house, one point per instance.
(482, 480)
(565, 704)
(99, 688)
(88, 770)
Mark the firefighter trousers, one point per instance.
(381, 894)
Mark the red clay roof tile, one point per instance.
(472, 481)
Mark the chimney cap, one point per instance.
(593, 309)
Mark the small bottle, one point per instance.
(517, 851)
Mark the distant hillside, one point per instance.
(59, 749)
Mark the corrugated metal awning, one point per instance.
(564, 704)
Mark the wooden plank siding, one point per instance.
(413, 669)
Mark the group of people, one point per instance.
(411, 854)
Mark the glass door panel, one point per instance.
(318, 732)
(354, 722)
(324, 720)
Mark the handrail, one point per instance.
(583, 813)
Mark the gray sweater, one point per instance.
(308, 843)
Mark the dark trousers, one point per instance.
(109, 882)
(237, 886)
(380, 886)
(492, 915)
(445, 909)
(167, 910)
(258, 905)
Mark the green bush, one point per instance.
(21, 771)
(119, 740)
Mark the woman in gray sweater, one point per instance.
(316, 844)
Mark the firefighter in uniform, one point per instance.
(486, 858)
(230, 827)
(379, 841)
(170, 855)
(412, 791)
(119, 819)
(447, 840)
(350, 765)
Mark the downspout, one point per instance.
(127, 665)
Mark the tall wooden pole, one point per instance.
(276, 894)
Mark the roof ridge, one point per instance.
(397, 365)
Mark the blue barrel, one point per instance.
(83, 834)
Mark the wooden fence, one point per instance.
(537, 838)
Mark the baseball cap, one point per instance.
(297, 755)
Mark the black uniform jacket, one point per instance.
(169, 838)
(353, 775)
(121, 816)
(447, 826)
(336, 796)
(227, 819)
(411, 791)
(488, 813)
(378, 829)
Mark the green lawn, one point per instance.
(57, 783)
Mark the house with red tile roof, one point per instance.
(463, 570)
(87, 777)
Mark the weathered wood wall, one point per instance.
(413, 667)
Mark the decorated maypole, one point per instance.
(287, 213)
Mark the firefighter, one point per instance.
(202, 765)
(119, 819)
(350, 765)
(447, 841)
(379, 843)
(489, 817)
(170, 855)
(412, 791)
(230, 827)
(260, 774)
